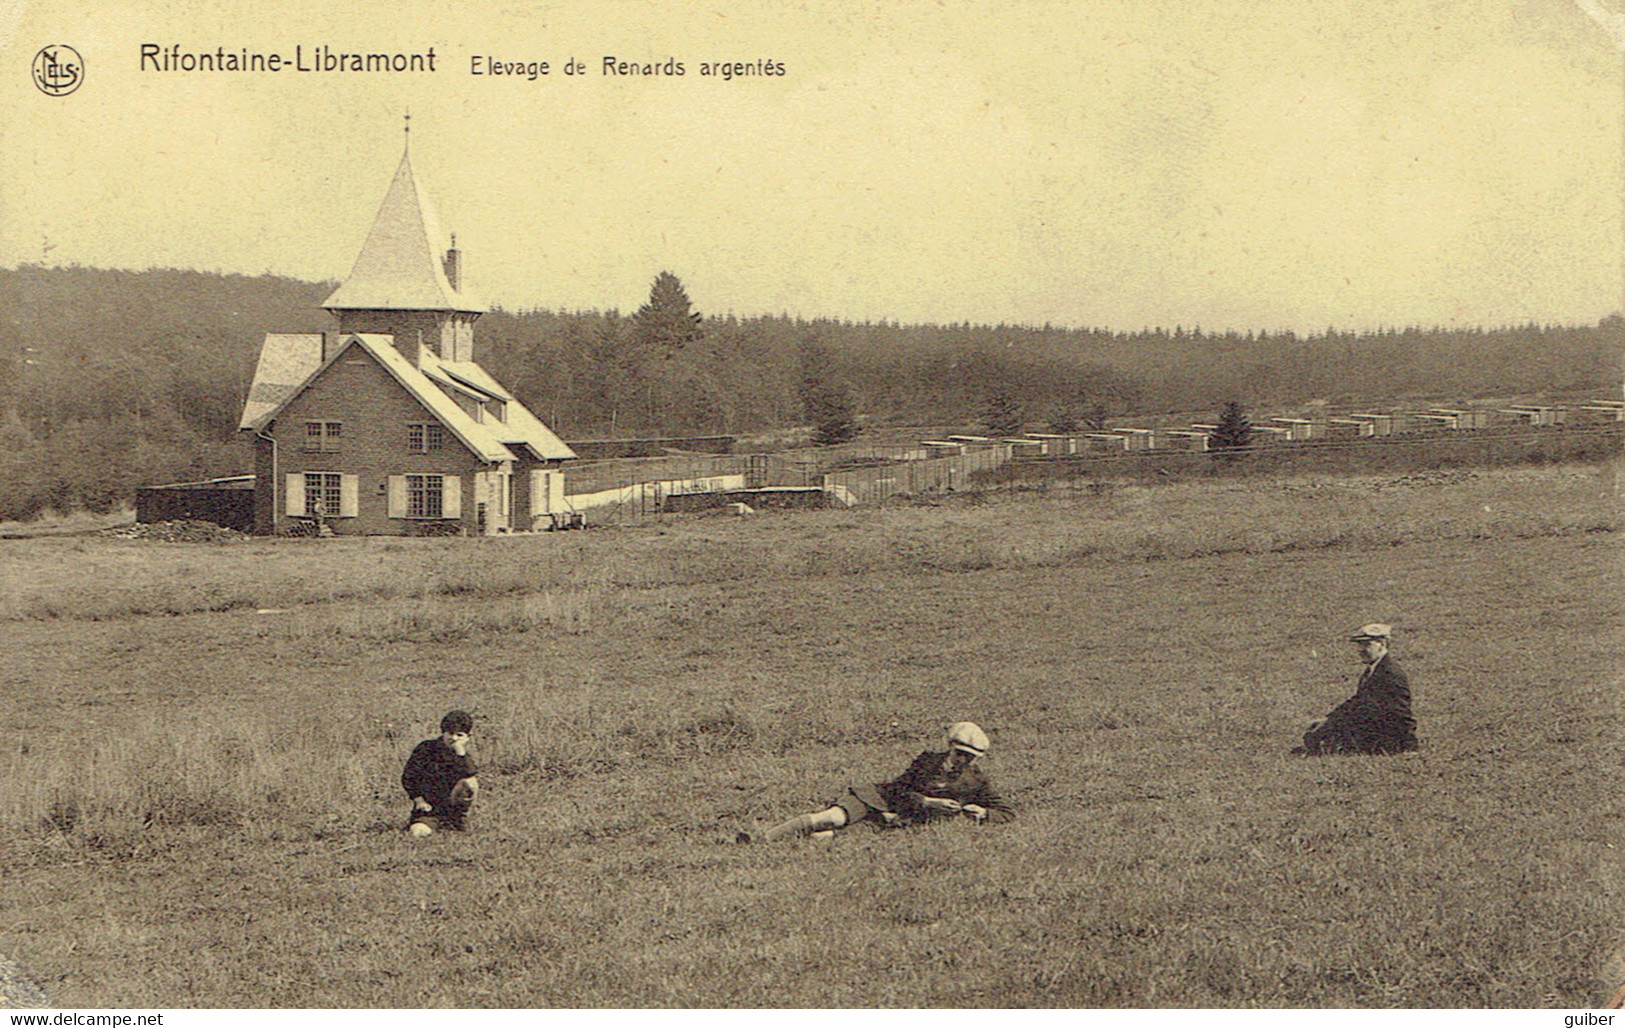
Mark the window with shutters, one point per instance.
(325, 489)
(313, 493)
(423, 496)
(323, 435)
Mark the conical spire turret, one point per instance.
(400, 266)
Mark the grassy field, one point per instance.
(200, 803)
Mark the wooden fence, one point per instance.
(912, 478)
(639, 486)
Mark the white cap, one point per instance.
(967, 736)
(1375, 630)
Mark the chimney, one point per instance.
(330, 345)
(453, 265)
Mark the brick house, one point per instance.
(389, 426)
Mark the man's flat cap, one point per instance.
(1375, 630)
(967, 736)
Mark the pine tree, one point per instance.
(826, 399)
(663, 327)
(833, 417)
(666, 324)
(1234, 430)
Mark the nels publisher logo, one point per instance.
(58, 70)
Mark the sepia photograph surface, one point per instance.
(800, 506)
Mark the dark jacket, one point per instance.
(1376, 719)
(929, 776)
(431, 771)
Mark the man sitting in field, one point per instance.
(439, 777)
(1377, 718)
(938, 784)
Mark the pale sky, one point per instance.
(1238, 164)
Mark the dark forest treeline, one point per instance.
(114, 379)
(587, 374)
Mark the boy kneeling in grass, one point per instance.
(439, 777)
(938, 784)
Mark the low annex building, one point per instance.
(389, 426)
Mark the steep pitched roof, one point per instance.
(286, 362)
(399, 265)
(519, 427)
(298, 351)
(399, 269)
(475, 436)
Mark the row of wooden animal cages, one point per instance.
(1499, 442)
(1198, 438)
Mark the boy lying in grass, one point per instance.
(938, 784)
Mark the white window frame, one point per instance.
(425, 497)
(324, 486)
(298, 488)
(399, 489)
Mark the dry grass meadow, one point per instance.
(199, 801)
